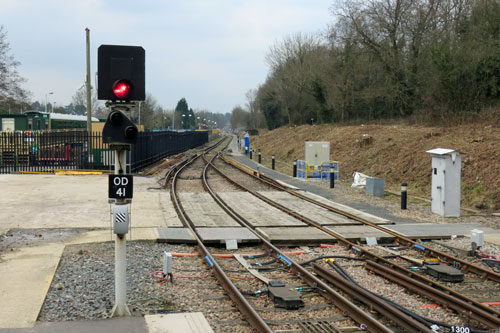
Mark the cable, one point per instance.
(426, 321)
(272, 261)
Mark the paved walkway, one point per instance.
(46, 202)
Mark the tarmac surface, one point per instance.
(44, 213)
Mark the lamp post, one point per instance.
(199, 124)
(46, 99)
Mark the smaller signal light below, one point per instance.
(121, 89)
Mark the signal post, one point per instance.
(121, 81)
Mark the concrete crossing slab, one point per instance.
(220, 235)
(294, 236)
(355, 212)
(167, 207)
(257, 212)
(204, 211)
(175, 235)
(307, 209)
(437, 231)
(188, 322)
(360, 232)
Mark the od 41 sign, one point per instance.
(121, 186)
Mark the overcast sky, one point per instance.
(209, 51)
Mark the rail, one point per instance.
(475, 310)
(341, 302)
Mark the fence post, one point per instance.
(294, 168)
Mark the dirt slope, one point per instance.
(397, 153)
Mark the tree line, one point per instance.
(426, 59)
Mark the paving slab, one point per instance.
(437, 231)
(52, 201)
(175, 235)
(113, 325)
(294, 236)
(203, 211)
(257, 212)
(314, 212)
(355, 212)
(220, 235)
(360, 232)
(185, 322)
(169, 213)
(25, 277)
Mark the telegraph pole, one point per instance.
(89, 99)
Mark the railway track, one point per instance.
(440, 293)
(375, 263)
(482, 278)
(248, 311)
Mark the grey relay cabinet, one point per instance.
(446, 173)
(317, 152)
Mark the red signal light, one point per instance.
(121, 89)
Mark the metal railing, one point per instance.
(45, 151)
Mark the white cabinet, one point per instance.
(446, 174)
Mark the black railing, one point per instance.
(50, 150)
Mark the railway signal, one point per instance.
(119, 130)
(121, 73)
(121, 81)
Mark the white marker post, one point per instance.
(120, 225)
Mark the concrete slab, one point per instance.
(295, 236)
(169, 213)
(437, 231)
(360, 232)
(219, 235)
(114, 325)
(319, 214)
(186, 322)
(367, 216)
(25, 277)
(52, 201)
(257, 212)
(175, 235)
(204, 211)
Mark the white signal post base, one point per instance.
(120, 308)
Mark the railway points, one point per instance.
(156, 221)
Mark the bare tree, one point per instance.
(10, 81)
(79, 100)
